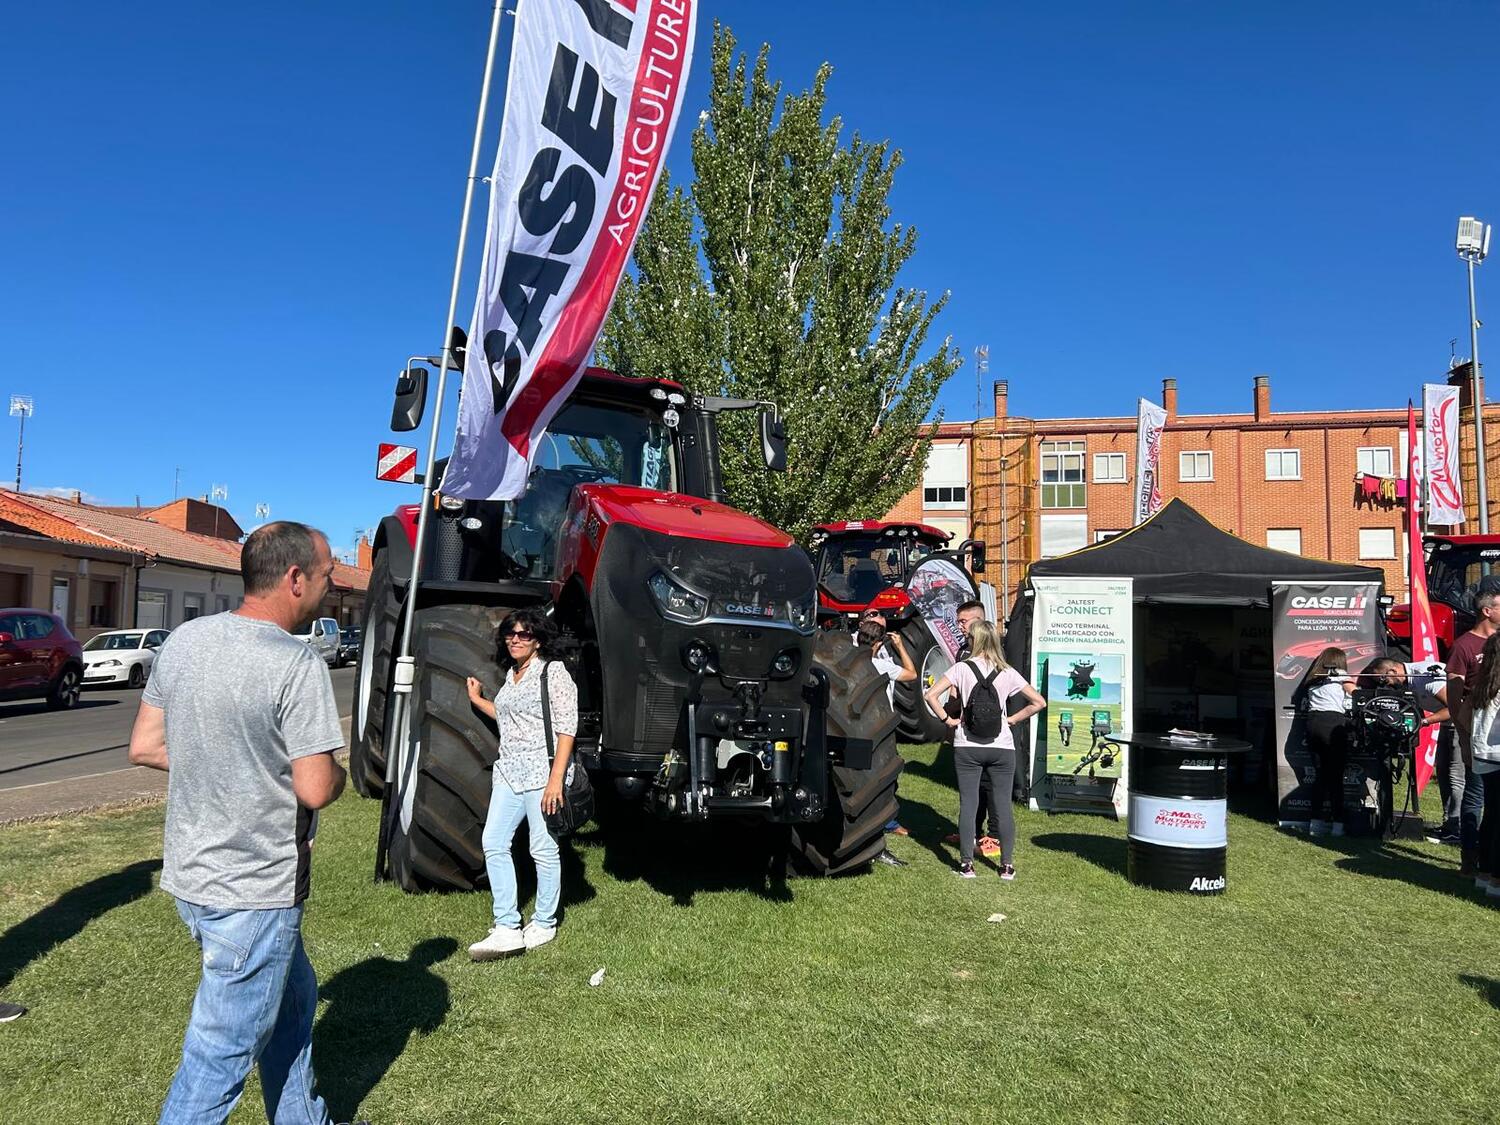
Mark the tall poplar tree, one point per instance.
(773, 277)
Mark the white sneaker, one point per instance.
(499, 942)
(1318, 828)
(535, 935)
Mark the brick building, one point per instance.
(1291, 480)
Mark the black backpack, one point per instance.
(984, 711)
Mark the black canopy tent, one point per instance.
(1202, 627)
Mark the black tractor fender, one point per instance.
(390, 536)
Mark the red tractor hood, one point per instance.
(671, 513)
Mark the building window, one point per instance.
(192, 606)
(1288, 539)
(1062, 475)
(1197, 465)
(1375, 461)
(1377, 542)
(1109, 468)
(1102, 536)
(1061, 534)
(945, 496)
(1283, 464)
(103, 597)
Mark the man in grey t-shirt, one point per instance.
(242, 715)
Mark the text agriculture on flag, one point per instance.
(593, 97)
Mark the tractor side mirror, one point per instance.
(773, 441)
(411, 399)
(976, 555)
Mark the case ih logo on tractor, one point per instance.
(868, 564)
(706, 688)
(1458, 567)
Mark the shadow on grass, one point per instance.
(66, 917)
(374, 1007)
(576, 888)
(1396, 861)
(939, 770)
(1106, 852)
(1487, 987)
(928, 827)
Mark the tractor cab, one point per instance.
(1458, 567)
(865, 564)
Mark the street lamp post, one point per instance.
(1473, 245)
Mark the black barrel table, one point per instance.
(1178, 826)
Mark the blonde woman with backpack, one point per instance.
(982, 741)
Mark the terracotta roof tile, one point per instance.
(37, 519)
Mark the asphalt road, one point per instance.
(37, 745)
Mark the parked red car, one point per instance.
(39, 658)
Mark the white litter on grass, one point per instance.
(996, 918)
(597, 979)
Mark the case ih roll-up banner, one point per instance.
(937, 588)
(591, 104)
(1150, 419)
(1445, 501)
(1082, 658)
(1306, 618)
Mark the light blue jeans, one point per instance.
(255, 1004)
(507, 809)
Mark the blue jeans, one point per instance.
(507, 809)
(1472, 811)
(255, 1004)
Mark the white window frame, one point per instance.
(1103, 535)
(1359, 460)
(950, 505)
(1075, 521)
(1190, 456)
(1279, 455)
(1297, 531)
(1102, 473)
(1382, 554)
(1064, 450)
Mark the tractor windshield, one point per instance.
(854, 568)
(1454, 574)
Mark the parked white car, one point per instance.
(122, 656)
(323, 636)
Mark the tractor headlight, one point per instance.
(451, 503)
(803, 614)
(785, 663)
(675, 600)
(699, 657)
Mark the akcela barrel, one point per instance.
(1178, 829)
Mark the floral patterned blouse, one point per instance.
(524, 759)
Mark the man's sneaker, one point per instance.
(9, 1011)
(1007, 872)
(1318, 828)
(966, 871)
(989, 847)
(534, 935)
(895, 829)
(890, 860)
(502, 941)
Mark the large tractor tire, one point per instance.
(860, 801)
(915, 722)
(443, 782)
(372, 679)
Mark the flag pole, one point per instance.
(405, 671)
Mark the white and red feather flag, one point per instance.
(593, 96)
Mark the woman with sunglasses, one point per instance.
(525, 784)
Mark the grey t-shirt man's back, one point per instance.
(243, 699)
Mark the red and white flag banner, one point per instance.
(1150, 420)
(1424, 648)
(1445, 501)
(594, 90)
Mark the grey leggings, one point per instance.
(998, 763)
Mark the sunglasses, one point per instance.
(520, 635)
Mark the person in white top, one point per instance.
(1484, 740)
(980, 750)
(1325, 694)
(525, 785)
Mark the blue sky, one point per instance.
(225, 228)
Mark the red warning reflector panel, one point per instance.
(397, 463)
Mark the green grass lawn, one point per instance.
(1357, 983)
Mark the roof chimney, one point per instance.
(1169, 399)
(77, 496)
(1262, 398)
(1461, 375)
(1002, 399)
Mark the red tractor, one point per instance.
(870, 564)
(706, 688)
(1456, 565)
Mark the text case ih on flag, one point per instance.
(594, 92)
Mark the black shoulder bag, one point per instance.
(577, 807)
